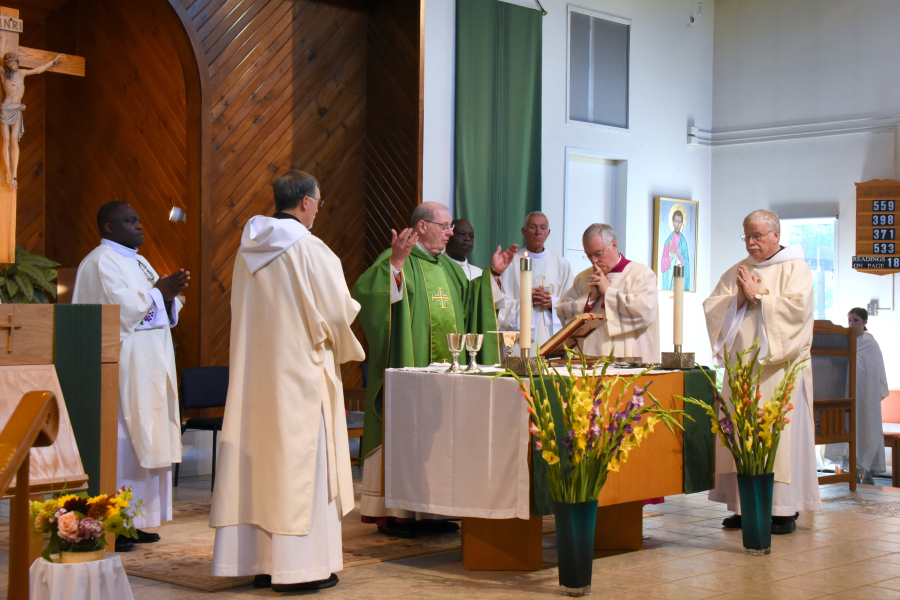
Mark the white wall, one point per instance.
(823, 69)
(671, 87)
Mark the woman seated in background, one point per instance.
(871, 389)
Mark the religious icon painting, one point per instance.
(675, 241)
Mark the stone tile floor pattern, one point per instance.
(850, 550)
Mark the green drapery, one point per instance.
(76, 354)
(497, 171)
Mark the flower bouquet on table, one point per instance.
(77, 524)
(750, 428)
(600, 426)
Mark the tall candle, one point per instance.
(525, 303)
(679, 306)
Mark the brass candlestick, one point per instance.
(524, 364)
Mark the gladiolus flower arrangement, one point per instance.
(599, 426)
(77, 523)
(749, 427)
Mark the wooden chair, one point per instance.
(892, 441)
(355, 403)
(34, 424)
(834, 391)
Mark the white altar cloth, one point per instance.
(99, 580)
(456, 445)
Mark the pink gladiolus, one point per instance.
(538, 445)
(533, 430)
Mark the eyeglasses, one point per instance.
(756, 237)
(319, 200)
(443, 226)
(597, 256)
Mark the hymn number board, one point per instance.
(878, 227)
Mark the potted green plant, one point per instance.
(750, 428)
(603, 420)
(28, 280)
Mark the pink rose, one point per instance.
(68, 527)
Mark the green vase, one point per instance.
(756, 512)
(575, 524)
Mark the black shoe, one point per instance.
(796, 516)
(434, 527)
(262, 581)
(144, 537)
(732, 522)
(124, 544)
(404, 531)
(322, 584)
(783, 525)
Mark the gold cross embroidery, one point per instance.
(440, 297)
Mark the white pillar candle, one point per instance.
(525, 303)
(678, 334)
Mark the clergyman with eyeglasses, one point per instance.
(622, 291)
(411, 297)
(769, 296)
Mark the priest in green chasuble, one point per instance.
(411, 298)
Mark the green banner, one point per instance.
(497, 169)
(699, 440)
(76, 354)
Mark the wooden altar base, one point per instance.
(516, 544)
(654, 470)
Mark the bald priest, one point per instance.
(149, 423)
(284, 479)
(411, 297)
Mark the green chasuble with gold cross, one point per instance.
(437, 299)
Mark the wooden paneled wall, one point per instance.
(394, 120)
(288, 88)
(31, 175)
(119, 133)
(332, 87)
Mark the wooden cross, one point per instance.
(440, 297)
(29, 58)
(11, 327)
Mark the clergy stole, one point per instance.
(437, 299)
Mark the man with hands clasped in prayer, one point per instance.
(622, 291)
(768, 296)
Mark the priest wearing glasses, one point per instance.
(411, 297)
(622, 291)
(768, 296)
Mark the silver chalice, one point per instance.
(473, 345)
(456, 342)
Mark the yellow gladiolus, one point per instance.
(550, 457)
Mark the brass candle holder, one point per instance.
(524, 364)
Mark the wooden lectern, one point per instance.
(72, 351)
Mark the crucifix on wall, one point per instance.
(18, 63)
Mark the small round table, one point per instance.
(98, 580)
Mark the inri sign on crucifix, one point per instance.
(19, 62)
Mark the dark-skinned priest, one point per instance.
(411, 298)
(149, 438)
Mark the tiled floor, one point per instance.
(848, 551)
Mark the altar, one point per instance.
(458, 445)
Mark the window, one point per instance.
(598, 68)
(818, 238)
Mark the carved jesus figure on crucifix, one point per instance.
(11, 123)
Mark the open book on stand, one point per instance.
(571, 334)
